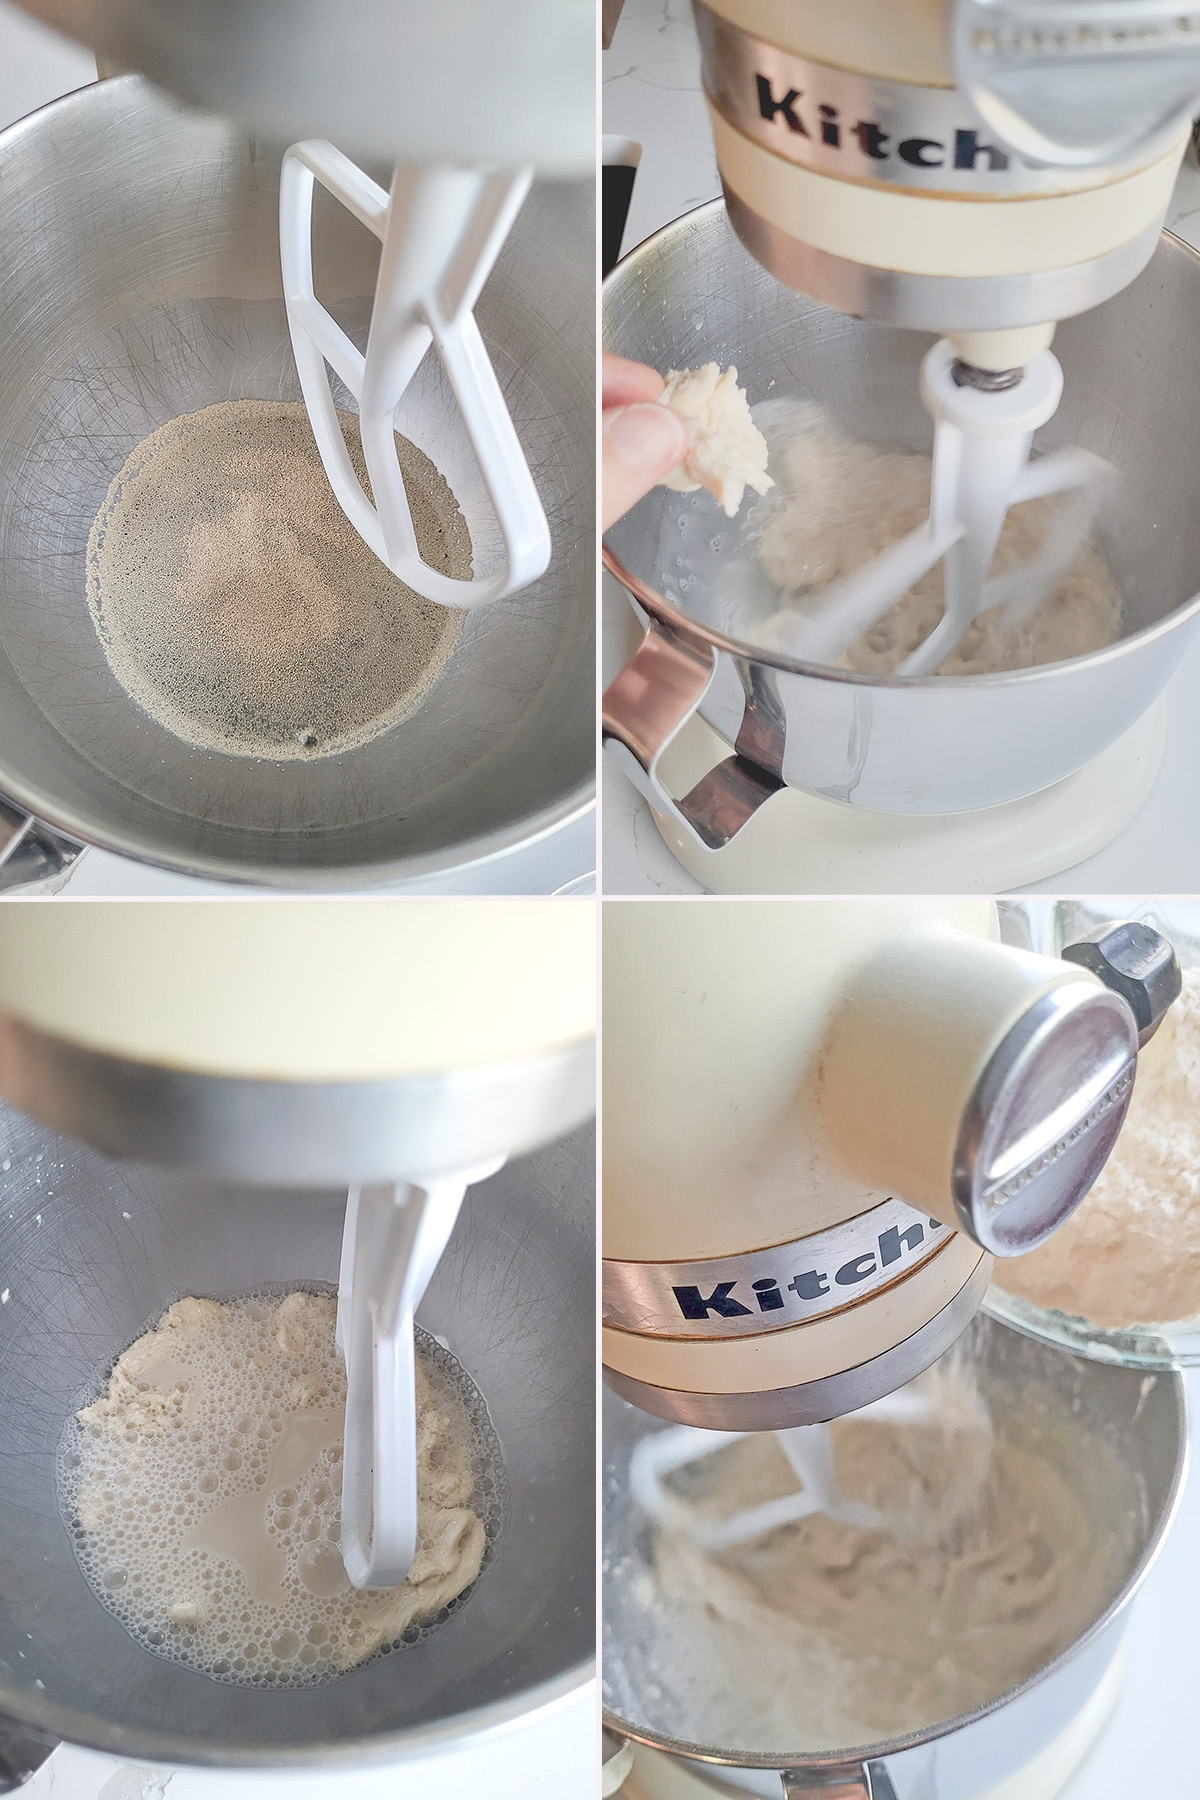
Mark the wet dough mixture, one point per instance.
(238, 606)
(202, 1490)
(729, 453)
(1130, 1255)
(839, 503)
(841, 1636)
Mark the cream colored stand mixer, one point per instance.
(982, 171)
(406, 1048)
(822, 1119)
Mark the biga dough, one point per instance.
(839, 503)
(820, 1635)
(728, 453)
(202, 1490)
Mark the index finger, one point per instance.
(625, 383)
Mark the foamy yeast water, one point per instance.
(202, 1490)
(238, 606)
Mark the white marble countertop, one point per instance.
(651, 89)
(553, 1759)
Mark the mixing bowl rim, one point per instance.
(63, 1724)
(669, 614)
(471, 853)
(72, 99)
(863, 1753)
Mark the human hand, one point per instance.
(641, 441)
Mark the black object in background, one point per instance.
(621, 157)
(617, 193)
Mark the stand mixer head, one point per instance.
(457, 83)
(406, 1051)
(821, 1120)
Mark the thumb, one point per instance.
(641, 444)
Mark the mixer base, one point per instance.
(798, 843)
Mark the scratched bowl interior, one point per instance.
(141, 281)
(693, 295)
(1059, 1405)
(1046, 926)
(90, 1250)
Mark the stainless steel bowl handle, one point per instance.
(646, 708)
(850, 1781)
(30, 851)
(616, 1762)
(21, 1754)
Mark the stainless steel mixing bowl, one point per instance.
(90, 1250)
(1063, 1399)
(691, 295)
(140, 252)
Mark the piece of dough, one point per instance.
(729, 453)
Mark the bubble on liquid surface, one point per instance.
(224, 1556)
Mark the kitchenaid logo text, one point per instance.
(1055, 37)
(821, 121)
(843, 123)
(739, 1299)
(776, 1286)
(1001, 1192)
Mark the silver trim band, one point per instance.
(773, 1288)
(813, 1402)
(304, 1132)
(864, 128)
(939, 302)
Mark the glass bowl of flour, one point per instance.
(1120, 1281)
